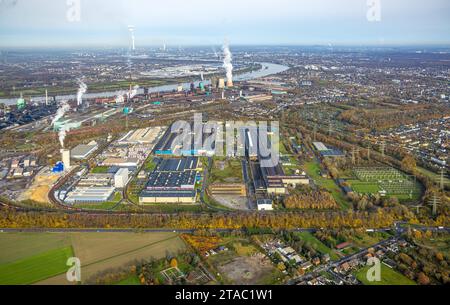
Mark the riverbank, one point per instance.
(155, 85)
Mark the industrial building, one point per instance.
(228, 189)
(269, 180)
(82, 151)
(273, 180)
(66, 159)
(121, 178)
(96, 180)
(168, 146)
(258, 98)
(142, 136)
(172, 181)
(90, 195)
(120, 162)
(326, 151)
(264, 204)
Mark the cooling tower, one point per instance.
(229, 83)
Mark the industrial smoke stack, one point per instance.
(66, 158)
(227, 63)
(221, 83)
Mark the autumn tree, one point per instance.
(173, 263)
(422, 279)
(409, 163)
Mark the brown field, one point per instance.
(96, 251)
(248, 270)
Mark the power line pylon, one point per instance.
(383, 148)
(434, 202)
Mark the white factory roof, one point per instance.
(90, 194)
(142, 136)
(83, 151)
(320, 146)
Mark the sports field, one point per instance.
(388, 277)
(40, 258)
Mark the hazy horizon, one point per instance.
(101, 23)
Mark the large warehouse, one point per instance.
(172, 181)
(90, 195)
(142, 136)
(82, 151)
(168, 144)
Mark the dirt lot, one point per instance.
(232, 201)
(40, 187)
(248, 270)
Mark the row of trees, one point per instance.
(280, 220)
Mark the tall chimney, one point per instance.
(66, 158)
(221, 83)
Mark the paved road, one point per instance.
(251, 204)
(70, 230)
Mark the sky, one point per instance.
(104, 23)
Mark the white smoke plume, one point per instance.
(131, 29)
(62, 135)
(201, 76)
(133, 92)
(81, 91)
(120, 97)
(227, 60)
(63, 108)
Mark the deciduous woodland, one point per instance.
(382, 218)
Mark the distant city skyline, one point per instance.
(45, 23)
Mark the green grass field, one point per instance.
(317, 244)
(18, 246)
(100, 170)
(388, 277)
(231, 173)
(364, 187)
(28, 258)
(131, 281)
(35, 268)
